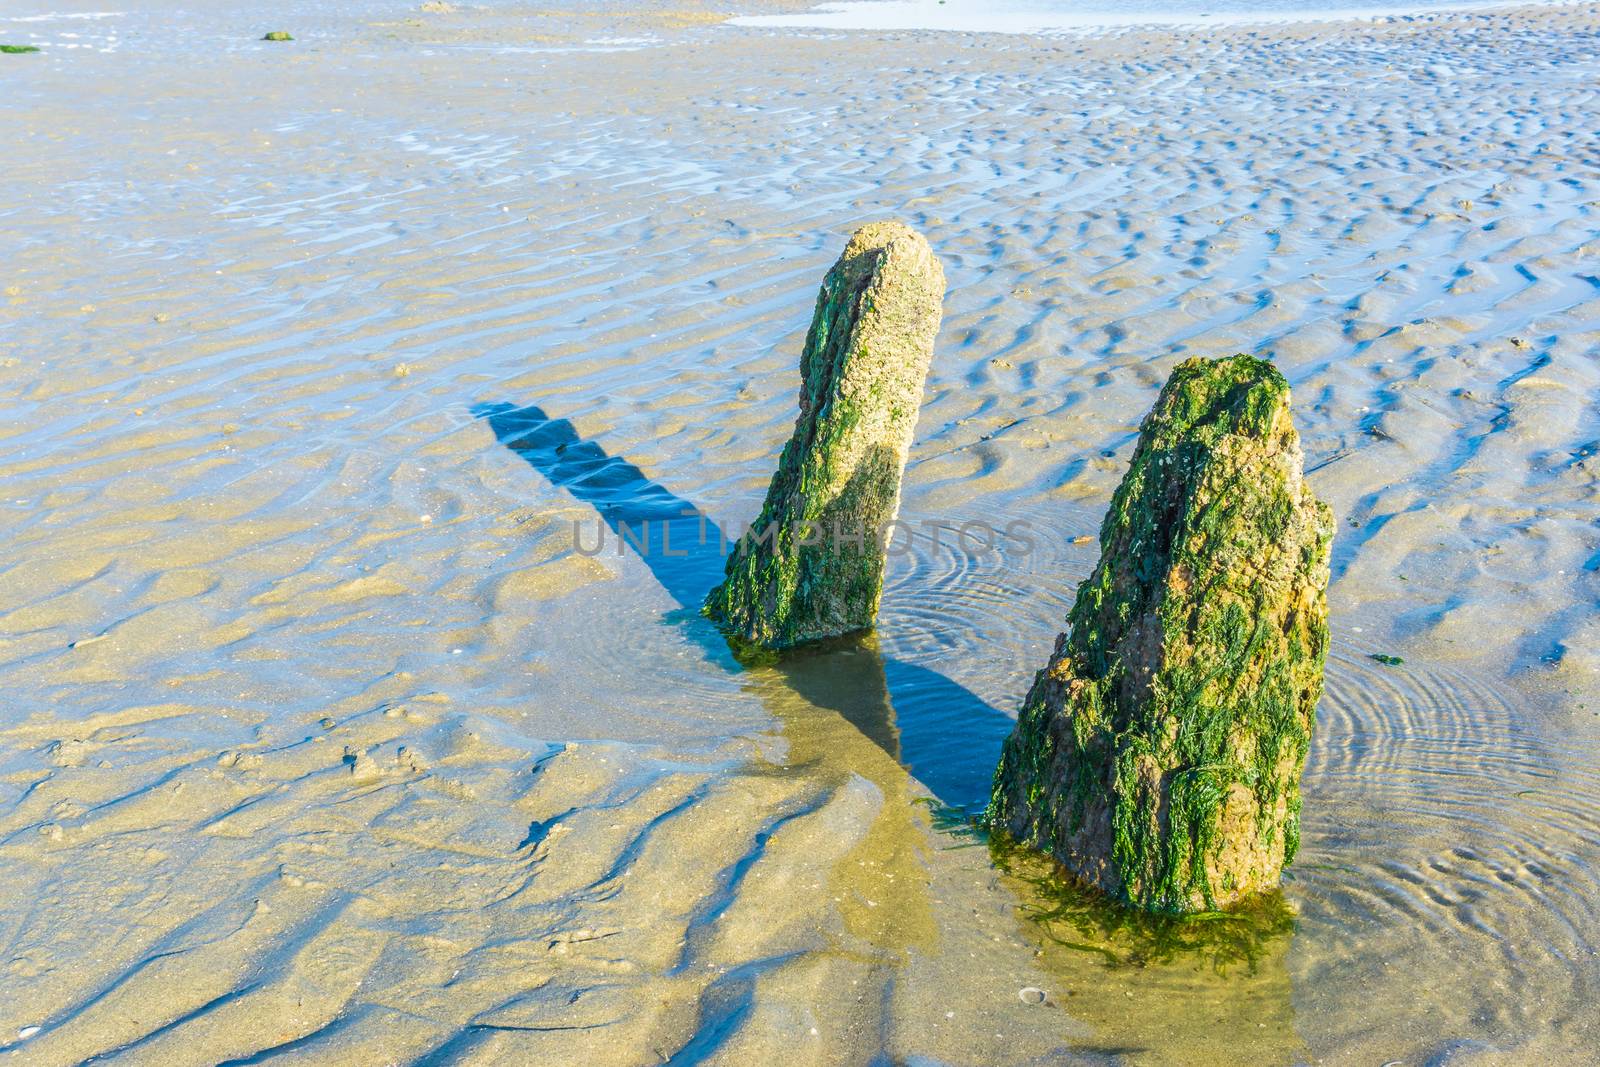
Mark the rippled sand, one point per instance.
(321, 742)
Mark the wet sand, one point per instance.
(322, 742)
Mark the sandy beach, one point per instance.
(321, 741)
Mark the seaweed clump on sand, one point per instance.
(1157, 756)
(277, 35)
(17, 49)
(812, 565)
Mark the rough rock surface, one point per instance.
(820, 572)
(1158, 754)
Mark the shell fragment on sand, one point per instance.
(812, 565)
(1158, 754)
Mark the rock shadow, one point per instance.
(946, 735)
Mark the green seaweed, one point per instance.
(17, 49)
(1188, 679)
(1086, 920)
(1387, 660)
(811, 566)
(277, 35)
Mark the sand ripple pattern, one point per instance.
(321, 740)
(1435, 809)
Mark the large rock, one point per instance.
(1158, 755)
(820, 572)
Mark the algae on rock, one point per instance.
(812, 565)
(1157, 756)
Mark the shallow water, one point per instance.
(1053, 16)
(321, 740)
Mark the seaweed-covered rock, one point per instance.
(812, 565)
(1158, 755)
